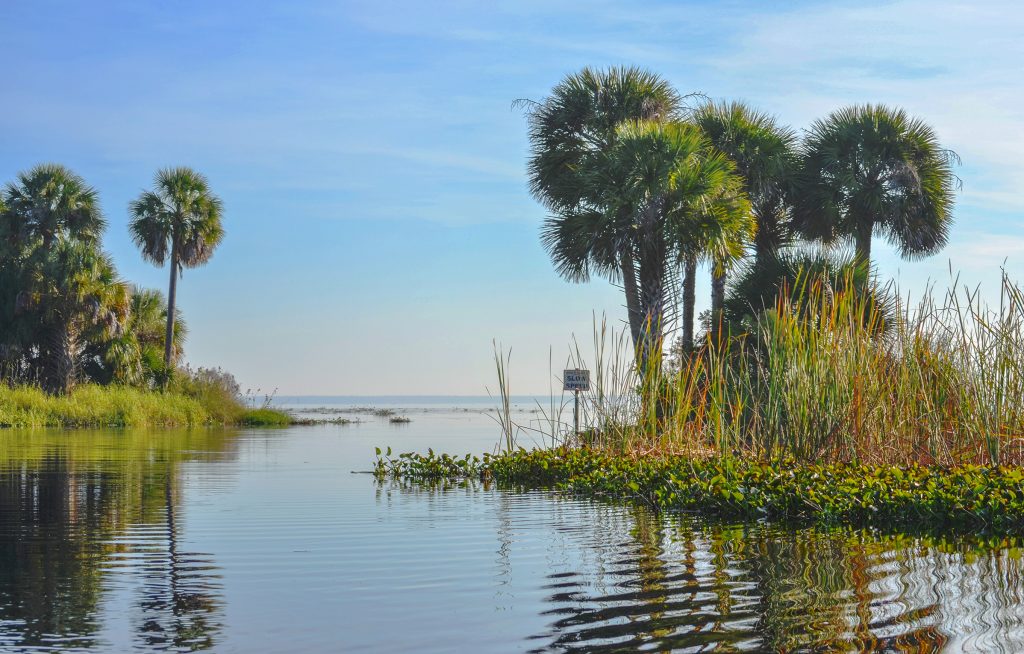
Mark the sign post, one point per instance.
(576, 380)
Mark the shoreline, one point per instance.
(94, 406)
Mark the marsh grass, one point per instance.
(92, 405)
(99, 406)
(265, 417)
(825, 375)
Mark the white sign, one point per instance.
(576, 380)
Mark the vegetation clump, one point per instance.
(195, 398)
(987, 499)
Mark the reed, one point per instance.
(826, 375)
(504, 416)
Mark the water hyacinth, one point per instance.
(966, 498)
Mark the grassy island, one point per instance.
(811, 389)
(80, 346)
(831, 408)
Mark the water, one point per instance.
(265, 541)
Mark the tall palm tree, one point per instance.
(178, 222)
(571, 133)
(688, 204)
(765, 156)
(872, 170)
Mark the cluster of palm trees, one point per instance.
(65, 314)
(643, 184)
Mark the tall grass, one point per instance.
(504, 417)
(99, 406)
(828, 375)
(186, 404)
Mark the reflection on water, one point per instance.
(76, 507)
(263, 541)
(675, 583)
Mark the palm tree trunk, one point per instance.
(689, 301)
(717, 305)
(863, 243)
(171, 299)
(632, 296)
(652, 307)
(63, 353)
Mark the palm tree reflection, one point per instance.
(80, 518)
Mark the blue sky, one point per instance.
(380, 233)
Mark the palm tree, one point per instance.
(63, 289)
(571, 134)
(136, 355)
(688, 204)
(51, 202)
(179, 223)
(871, 169)
(74, 290)
(765, 156)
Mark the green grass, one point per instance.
(265, 418)
(120, 406)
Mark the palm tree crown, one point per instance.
(872, 170)
(51, 202)
(180, 218)
(765, 154)
(580, 119)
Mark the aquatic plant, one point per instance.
(982, 499)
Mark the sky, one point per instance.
(371, 159)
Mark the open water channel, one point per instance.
(266, 541)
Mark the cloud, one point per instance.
(955, 64)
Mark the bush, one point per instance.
(265, 418)
(216, 389)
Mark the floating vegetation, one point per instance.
(968, 498)
(399, 420)
(324, 421)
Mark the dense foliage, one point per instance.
(62, 304)
(619, 206)
(66, 316)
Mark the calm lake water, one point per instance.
(265, 541)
